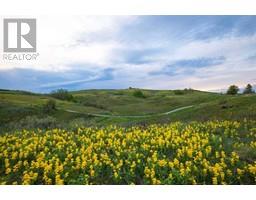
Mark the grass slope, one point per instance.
(16, 105)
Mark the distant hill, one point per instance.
(92, 107)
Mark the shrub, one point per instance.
(224, 104)
(62, 94)
(188, 90)
(179, 92)
(49, 106)
(92, 104)
(139, 94)
(33, 122)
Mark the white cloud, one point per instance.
(94, 43)
(236, 69)
(59, 42)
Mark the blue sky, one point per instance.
(153, 52)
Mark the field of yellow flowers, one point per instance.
(214, 152)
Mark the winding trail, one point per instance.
(131, 116)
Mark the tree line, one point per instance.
(233, 89)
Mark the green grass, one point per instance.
(124, 103)
(15, 105)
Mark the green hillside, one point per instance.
(123, 107)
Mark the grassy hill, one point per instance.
(17, 107)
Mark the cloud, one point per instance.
(63, 41)
(158, 52)
(44, 81)
(188, 65)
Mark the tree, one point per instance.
(49, 106)
(233, 89)
(248, 89)
(62, 94)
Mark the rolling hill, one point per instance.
(124, 107)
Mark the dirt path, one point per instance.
(132, 116)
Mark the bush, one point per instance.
(232, 90)
(178, 92)
(50, 106)
(33, 122)
(62, 94)
(139, 94)
(92, 104)
(224, 104)
(188, 90)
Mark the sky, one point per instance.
(153, 52)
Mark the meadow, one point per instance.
(129, 136)
(23, 110)
(212, 152)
